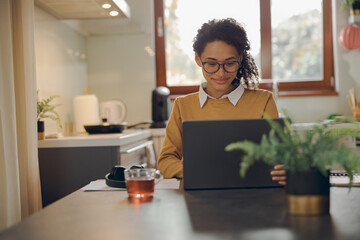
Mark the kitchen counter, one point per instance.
(96, 140)
(68, 163)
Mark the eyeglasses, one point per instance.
(213, 67)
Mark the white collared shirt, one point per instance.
(233, 96)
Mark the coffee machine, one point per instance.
(160, 107)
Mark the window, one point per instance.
(290, 43)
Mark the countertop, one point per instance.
(97, 140)
(158, 132)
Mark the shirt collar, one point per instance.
(233, 96)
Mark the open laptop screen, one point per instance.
(206, 163)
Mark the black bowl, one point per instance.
(105, 128)
(114, 183)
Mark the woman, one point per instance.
(230, 91)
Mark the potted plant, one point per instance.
(45, 109)
(353, 4)
(307, 155)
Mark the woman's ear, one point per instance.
(197, 60)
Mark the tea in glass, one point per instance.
(140, 187)
(140, 182)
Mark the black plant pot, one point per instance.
(307, 192)
(41, 130)
(355, 8)
(354, 17)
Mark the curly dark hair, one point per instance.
(231, 32)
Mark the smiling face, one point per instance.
(218, 83)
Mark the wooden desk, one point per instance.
(175, 214)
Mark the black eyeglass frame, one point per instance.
(219, 65)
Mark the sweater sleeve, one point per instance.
(270, 107)
(169, 161)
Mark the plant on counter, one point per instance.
(346, 3)
(301, 152)
(45, 109)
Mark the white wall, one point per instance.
(347, 75)
(59, 67)
(120, 68)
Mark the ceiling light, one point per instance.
(106, 6)
(114, 13)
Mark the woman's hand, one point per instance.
(279, 174)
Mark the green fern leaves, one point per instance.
(301, 149)
(47, 110)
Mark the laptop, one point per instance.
(207, 165)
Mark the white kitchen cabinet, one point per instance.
(69, 163)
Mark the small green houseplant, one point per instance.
(307, 156)
(45, 109)
(346, 3)
(354, 7)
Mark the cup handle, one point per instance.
(158, 175)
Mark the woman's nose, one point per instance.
(221, 71)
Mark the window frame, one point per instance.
(324, 87)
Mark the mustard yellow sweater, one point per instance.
(252, 104)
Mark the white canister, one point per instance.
(86, 112)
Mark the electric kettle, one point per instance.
(113, 111)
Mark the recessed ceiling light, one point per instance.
(106, 5)
(114, 13)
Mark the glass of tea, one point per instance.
(140, 182)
